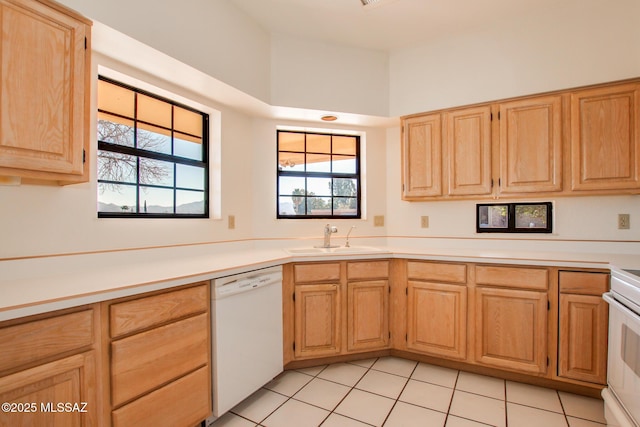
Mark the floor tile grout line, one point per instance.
(455, 384)
(400, 394)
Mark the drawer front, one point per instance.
(368, 270)
(143, 313)
(437, 271)
(512, 277)
(585, 283)
(321, 272)
(184, 402)
(32, 341)
(142, 362)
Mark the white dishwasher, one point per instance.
(246, 315)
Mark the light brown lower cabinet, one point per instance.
(437, 319)
(511, 329)
(367, 315)
(583, 328)
(159, 357)
(335, 308)
(317, 320)
(48, 369)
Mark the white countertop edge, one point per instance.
(17, 298)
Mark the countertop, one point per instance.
(37, 285)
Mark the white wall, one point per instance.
(320, 76)
(374, 166)
(578, 42)
(211, 35)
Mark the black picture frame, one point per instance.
(525, 217)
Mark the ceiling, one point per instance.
(385, 24)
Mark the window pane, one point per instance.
(154, 111)
(319, 205)
(189, 202)
(294, 205)
(318, 163)
(344, 164)
(531, 216)
(345, 206)
(291, 141)
(115, 198)
(116, 167)
(115, 99)
(291, 161)
(188, 122)
(186, 148)
(292, 185)
(156, 200)
(156, 172)
(319, 186)
(152, 138)
(344, 145)
(318, 143)
(345, 187)
(190, 177)
(115, 130)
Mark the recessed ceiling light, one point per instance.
(368, 2)
(329, 118)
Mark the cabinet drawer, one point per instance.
(142, 362)
(39, 339)
(321, 272)
(512, 277)
(581, 282)
(368, 270)
(437, 271)
(146, 312)
(184, 402)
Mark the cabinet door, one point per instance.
(317, 320)
(422, 157)
(511, 329)
(69, 380)
(531, 145)
(42, 95)
(605, 151)
(468, 151)
(437, 319)
(368, 315)
(583, 338)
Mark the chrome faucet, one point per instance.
(328, 229)
(347, 245)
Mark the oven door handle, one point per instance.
(608, 297)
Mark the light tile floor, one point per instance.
(394, 392)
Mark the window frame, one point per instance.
(147, 154)
(511, 211)
(357, 175)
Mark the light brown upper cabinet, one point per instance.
(605, 151)
(44, 96)
(531, 145)
(572, 142)
(422, 157)
(468, 151)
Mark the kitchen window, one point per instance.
(152, 155)
(318, 175)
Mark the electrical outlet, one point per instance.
(232, 222)
(378, 221)
(424, 222)
(624, 221)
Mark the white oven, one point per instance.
(622, 397)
